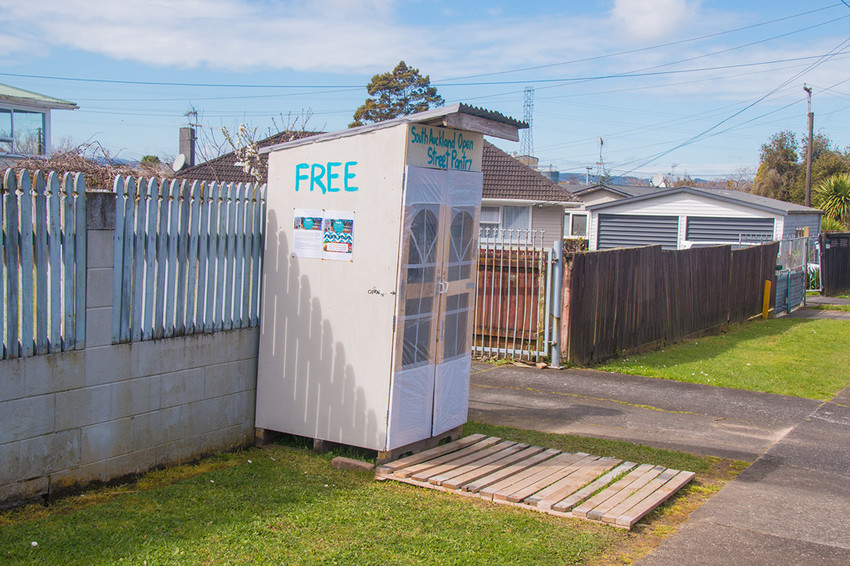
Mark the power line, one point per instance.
(643, 49)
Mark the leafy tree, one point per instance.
(150, 160)
(398, 93)
(833, 197)
(778, 170)
(826, 162)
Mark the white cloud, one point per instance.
(651, 19)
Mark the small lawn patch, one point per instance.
(286, 505)
(803, 358)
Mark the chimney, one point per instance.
(187, 145)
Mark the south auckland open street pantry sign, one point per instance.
(444, 148)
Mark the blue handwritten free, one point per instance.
(323, 176)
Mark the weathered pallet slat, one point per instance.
(604, 490)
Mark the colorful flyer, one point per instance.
(307, 236)
(338, 235)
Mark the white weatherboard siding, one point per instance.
(550, 219)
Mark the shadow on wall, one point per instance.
(320, 396)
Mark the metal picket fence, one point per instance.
(512, 307)
(42, 263)
(188, 257)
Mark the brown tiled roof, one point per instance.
(224, 169)
(507, 178)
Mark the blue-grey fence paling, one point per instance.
(187, 257)
(42, 263)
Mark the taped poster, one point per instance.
(338, 235)
(307, 236)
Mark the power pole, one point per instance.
(808, 90)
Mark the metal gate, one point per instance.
(791, 274)
(517, 297)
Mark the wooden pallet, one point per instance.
(605, 490)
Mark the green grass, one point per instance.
(598, 446)
(803, 358)
(845, 308)
(286, 505)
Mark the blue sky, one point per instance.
(670, 85)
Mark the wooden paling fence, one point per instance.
(42, 263)
(624, 299)
(835, 262)
(188, 257)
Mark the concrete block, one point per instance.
(106, 440)
(232, 345)
(99, 326)
(136, 396)
(107, 364)
(230, 377)
(200, 418)
(342, 463)
(99, 287)
(182, 387)
(135, 462)
(22, 491)
(154, 357)
(100, 212)
(26, 418)
(52, 373)
(12, 379)
(83, 407)
(9, 459)
(156, 428)
(50, 453)
(79, 475)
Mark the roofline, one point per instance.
(602, 186)
(504, 126)
(531, 202)
(698, 192)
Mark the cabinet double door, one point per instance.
(429, 394)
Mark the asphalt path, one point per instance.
(700, 419)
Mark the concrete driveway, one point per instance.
(667, 414)
(789, 507)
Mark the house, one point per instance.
(575, 220)
(516, 197)
(224, 169)
(25, 123)
(686, 217)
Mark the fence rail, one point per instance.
(188, 257)
(43, 261)
(624, 299)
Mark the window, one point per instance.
(578, 225)
(22, 132)
(506, 217)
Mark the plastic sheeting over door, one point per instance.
(430, 386)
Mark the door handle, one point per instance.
(444, 287)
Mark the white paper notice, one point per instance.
(338, 235)
(307, 238)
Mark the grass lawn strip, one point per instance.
(802, 358)
(286, 505)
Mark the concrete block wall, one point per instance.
(111, 410)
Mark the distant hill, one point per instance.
(580, 179)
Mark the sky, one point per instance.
(681, 87)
